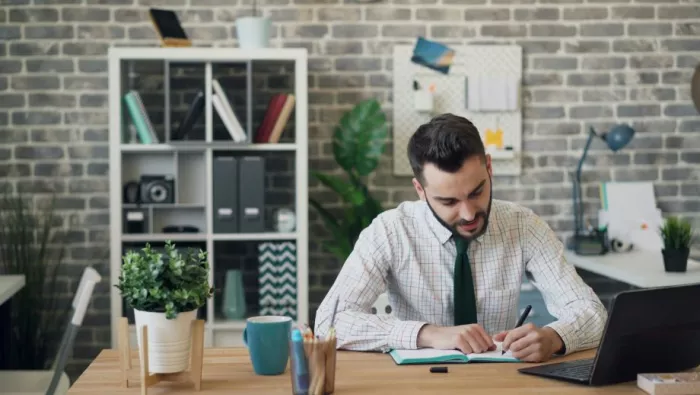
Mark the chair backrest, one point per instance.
(381, 305)
(81, 300)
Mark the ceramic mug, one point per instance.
(267, 339)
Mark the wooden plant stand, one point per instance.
(193, 376)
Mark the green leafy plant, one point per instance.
(677, 234)
(167, 283)
(32, 245)
(358, 143)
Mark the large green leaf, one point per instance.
(339, 244)
(359, 139)
(345, 189)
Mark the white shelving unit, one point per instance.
(192, 163)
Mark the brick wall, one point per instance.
(586, 63)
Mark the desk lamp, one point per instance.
(583, 243)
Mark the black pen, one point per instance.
(521, 320)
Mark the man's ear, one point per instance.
(419, 188)
(489, 169)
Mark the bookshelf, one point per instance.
(167, 82)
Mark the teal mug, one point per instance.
(267, 339)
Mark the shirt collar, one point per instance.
(444, 235)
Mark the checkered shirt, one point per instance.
(407, 253)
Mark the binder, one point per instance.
(225, 194)
(251, 198)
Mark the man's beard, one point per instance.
(485, 215)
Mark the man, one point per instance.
(453, 261)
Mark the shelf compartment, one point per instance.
(236, 83)
(246, 185)
(265, 272)
(191, 179)
(178, 216)
(135, 165)
(185, 88)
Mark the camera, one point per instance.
(158, 189)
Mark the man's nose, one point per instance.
(467, 211)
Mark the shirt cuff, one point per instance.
(566, 333)
(404, 335)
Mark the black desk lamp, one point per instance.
(618, 137)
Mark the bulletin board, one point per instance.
(473, 64)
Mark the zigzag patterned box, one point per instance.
(277, 278)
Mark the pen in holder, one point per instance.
(312, 363)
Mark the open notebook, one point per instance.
(429, 355)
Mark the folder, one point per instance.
(225, 194)
(251, 197)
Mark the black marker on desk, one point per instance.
(438, 369)
(521, 320)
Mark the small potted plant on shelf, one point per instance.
(165, 290)
(677, 236)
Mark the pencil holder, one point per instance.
(314, 374)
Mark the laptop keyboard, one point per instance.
(577, 370)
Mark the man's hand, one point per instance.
(530, 343)
(466, 338)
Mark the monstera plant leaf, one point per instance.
(359, 138)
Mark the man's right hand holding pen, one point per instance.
(529, 343)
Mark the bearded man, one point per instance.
(452, 264)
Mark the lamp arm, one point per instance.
(578, 203)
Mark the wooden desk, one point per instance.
(228, 371)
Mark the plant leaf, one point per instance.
(360, 138)
(346, 190)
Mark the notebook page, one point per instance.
(496, 354)
(427, 353)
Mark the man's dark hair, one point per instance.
(446, 141)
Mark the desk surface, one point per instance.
(9, 285)
(642, 269)
(228, 371)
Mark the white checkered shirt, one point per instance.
(409, 254)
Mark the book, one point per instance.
(281, 122)
(430, 355)
(227, 115)
(682, 383)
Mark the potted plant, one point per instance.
(165, 290)
(358, 144)
(253, 31)
(677, 236)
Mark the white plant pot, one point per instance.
(168, 340)
(253, 32)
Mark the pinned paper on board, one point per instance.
(433, 55)
(493, 138)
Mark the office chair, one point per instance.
(55, 381)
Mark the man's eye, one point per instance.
(449, 202)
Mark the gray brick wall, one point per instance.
(586, 63)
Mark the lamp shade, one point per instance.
(619, 136)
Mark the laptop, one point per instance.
(651, 330)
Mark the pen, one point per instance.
(521, 320)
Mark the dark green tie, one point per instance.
(464, 300)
